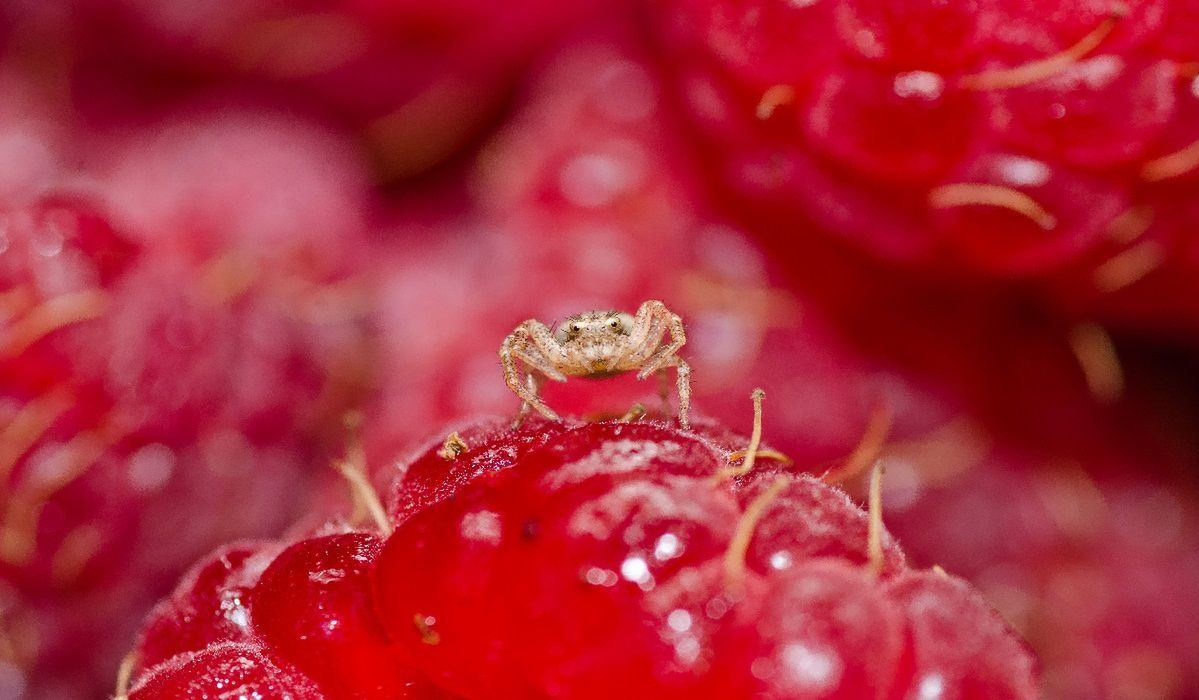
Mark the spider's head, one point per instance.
(594, 325)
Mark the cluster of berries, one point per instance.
(580, 560)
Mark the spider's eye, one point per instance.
(614, 324)
(575, 328)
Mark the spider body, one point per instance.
(596, 345)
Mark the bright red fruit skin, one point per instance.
(225, 671)
(313, 607)
(492, 445)
(210, 604)
(444, 595)
(503, 537)
(588, 623)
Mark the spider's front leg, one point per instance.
(521, 345)
(678, 338)
(649, 356)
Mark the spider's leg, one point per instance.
(550, 352)
(513, 348)
(664, 390)
(662, 356)
(533, 386)
(534, 357)
(683, 376)
(645, 336)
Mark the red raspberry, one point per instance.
(896, 121)
(1099, 112)
(145, 365)
(59, 261)
(624, 526)
(1013, 214)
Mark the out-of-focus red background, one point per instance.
(223, 225)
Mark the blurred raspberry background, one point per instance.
(224, 225)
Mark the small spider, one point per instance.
(596, 344)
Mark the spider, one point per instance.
(596, 344)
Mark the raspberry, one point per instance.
(144, 369)
(437, 584)
(1030, 535)
(624, 526)
(60, 259)
(225, 670)
(613, 541)
(482, 448)
(915, 97)
(766, 42)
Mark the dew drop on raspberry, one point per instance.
(225, 670)
(313, 606)
(893, 127)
